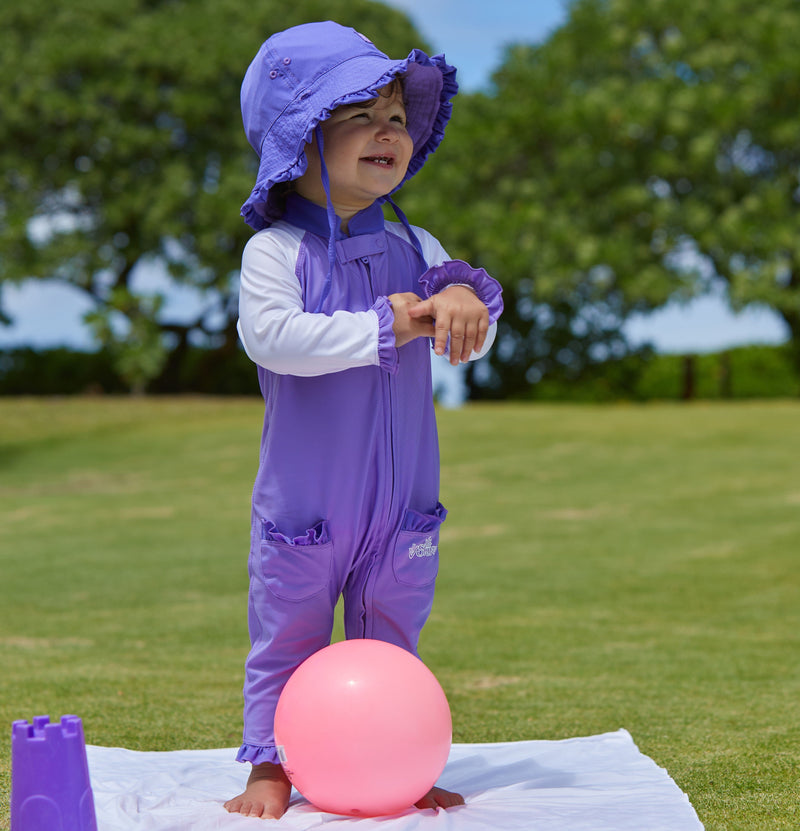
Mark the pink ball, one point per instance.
(363, 728)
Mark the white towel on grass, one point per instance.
(595, 783)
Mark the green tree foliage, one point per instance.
(121, 146)
(642, 151)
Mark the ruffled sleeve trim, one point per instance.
(457, 272)
(387, 351)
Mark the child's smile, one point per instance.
(384, 161)
(367, 152)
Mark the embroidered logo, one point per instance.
(422, 549)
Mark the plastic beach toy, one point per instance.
(50, 789)
(363, 728)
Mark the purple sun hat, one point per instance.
(300, 75)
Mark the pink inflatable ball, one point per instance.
(363, 728)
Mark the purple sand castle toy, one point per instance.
(50, 788)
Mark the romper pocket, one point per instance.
(296, 568)
(416, 552)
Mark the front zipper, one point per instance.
(389, 437)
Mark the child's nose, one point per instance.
(387, 131)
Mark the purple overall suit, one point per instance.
(346, 499)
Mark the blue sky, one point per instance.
(472, 34)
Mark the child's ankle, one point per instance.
(268, 771)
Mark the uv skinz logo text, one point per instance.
(422, 549)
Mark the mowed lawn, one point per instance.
(631, 566)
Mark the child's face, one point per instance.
(367, 151)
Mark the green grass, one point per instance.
(603, 567)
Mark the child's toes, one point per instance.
(440, 798)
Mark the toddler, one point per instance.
(338, 308)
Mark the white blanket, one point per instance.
(596, 783)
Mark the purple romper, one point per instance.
(346, 500)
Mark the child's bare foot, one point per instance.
(440, 798)
(266, 795)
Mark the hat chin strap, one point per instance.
(407, 225)
(333, 221)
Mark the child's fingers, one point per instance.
(470, 336)
(459, 343)
(483, 331)
(466, 338)
(442, 333)
(456, 322)
(424, 308)
(478, 338)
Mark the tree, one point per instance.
(640, 153)
(121, 147)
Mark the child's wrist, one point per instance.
(458, 272)
(461, 285)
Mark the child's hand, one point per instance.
(405, 327)
(458, 314)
